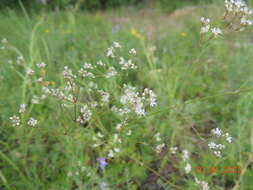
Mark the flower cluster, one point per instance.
(85, 115)
(16, 121)
(218, 147)
(135, 102)
(202, 183)
(206, 27)
(185, 158)
(237, 13)
(160, 146)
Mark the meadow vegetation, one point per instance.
(126, 100)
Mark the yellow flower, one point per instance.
(137, 34)
(184, 34)
(47, 83)
(46, 31)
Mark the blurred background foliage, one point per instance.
(168, 5)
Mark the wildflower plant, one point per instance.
(119, 128)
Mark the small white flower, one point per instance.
(216, 31)
(188, 168)
(118, 126)
(15, 121)
(185, 155)
(116, 150)
(217, 132)
(111, 72)
(100, 135)
(35, 100)
(100, 63)
(129, 133)
(29, 71)
(157, 137)
(22, 108)
(116, 45)
(159, 148)
(110, 52)
(96, 145)
(228, 137)
(173, 150)
(41, 65)
(132, 51)
(205, 21)
(204, 29)
(111, 154)
(32, 122)
(202, 183)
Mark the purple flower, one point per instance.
(102, 162)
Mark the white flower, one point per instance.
(116, 150)
(151, 96)
(204, 29)
(205, 21)
(129, 133)
(100, 135)
(218, 154)
(95, 145)
(84, 73)
(88, 66)
(159, 148)
(100, 63)
(132, 51)
(110, 52)
(29, 71)
(188, 168)
(185, 155)
(67, 73)
(105, 95)
(111, 154)
(111, 72)
(116, 138)
(118, 126)
(32, 122)
(15, 121)
(216, 31)
(22, 108)
(35, 100)
(217, 132)
(126, 64)
(157, 137)
(85, 115)
(173, 150)
(202, 183)
(41, 65)
(228, 137)
(116, 45)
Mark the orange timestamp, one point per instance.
(218, 170)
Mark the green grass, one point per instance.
(199, 88)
